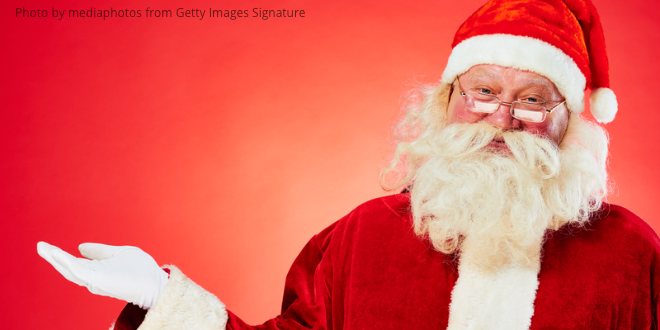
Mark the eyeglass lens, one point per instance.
(519, 110)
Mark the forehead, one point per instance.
(508, 77)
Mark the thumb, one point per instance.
(97, 251)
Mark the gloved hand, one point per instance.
(123, 272)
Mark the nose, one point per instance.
(502, 117)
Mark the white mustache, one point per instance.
(460, 140)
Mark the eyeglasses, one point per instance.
(534, 112)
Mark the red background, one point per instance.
(221, 146)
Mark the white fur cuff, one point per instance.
(185, 305)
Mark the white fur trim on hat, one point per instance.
(603, 104)
(524, 53)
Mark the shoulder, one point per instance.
(615, 220)
(382, 212)
(397, 206)
(381, 219)
(630, 242)
(613, 232)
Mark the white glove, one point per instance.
(123, 272)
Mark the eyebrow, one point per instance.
(529, 81)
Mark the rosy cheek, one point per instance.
(540, 129)
(463, 115)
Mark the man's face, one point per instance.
(509, 85)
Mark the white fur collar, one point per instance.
(503, 299)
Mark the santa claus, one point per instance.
(501, 223)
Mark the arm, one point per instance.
(181, 304)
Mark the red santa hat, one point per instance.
(559, 39)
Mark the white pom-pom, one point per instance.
(603, 104)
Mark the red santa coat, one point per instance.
(370, 271)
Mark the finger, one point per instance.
(43, 249)
(99, 251)
(77, 270)
(60, 260)
(46, 251)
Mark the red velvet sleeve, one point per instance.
(656, 310)
(130, 318)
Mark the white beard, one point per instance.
(499, 205)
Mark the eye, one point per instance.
(533, 99)
(484, 90)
